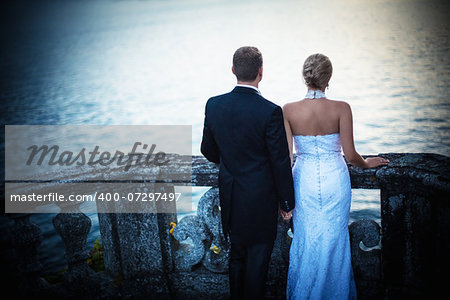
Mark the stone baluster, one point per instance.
(26, 240)
(135, 245)
(79, 279)
(366, 262)
(217, 247)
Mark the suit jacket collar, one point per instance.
(245, 90)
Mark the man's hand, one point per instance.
(286, 215)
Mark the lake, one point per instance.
(157, 62)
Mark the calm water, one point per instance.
(157, 62)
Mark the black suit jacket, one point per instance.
(245, 133)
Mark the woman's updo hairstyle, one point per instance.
(317, 71)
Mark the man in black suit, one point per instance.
(245, 133)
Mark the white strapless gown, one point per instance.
(319, 258)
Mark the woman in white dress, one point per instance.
(320, 128)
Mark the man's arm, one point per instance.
(209, 146)
(279, 157)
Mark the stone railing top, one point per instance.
(430, 170)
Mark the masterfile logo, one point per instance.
(130, 169)
(91, 158)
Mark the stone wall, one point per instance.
(143, 258)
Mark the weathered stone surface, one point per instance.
(366, 263)
(138, 248)
(27, 238)
(415, 225)
(148, 262)
(132, 250)
(188, 255)
(8, 258)
(217, 247)
(408, 243)
(208, 244)
(79, 280)
(178, 169)
(73, 229)
(199, 284)
(429, 170)
(204, 173)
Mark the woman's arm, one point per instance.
(348, 145)
(288, 134)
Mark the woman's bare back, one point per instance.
(321, 117)
(314, 116)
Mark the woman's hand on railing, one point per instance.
(377, 161)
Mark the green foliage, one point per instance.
(96, 259)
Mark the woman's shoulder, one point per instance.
(340, 104)
(293, 104)
(292, 107)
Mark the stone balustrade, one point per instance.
(144, 259)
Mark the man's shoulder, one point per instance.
(215, 99)
(267, 107)
(221, 96)
(270, 105)
(261, 101)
